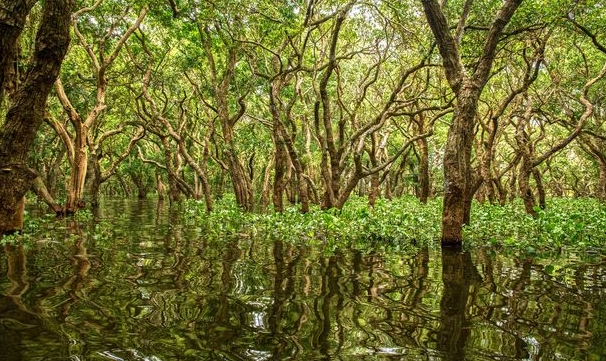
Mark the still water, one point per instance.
(157, 290)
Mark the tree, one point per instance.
(28, 102)
(83, 146)
(218, 26)
(467, 85)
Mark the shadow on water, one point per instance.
(154, 288)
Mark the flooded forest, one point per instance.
(302, 180)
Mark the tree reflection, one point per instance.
(15, 317)
(326, 309)
(459, 275)
(178, 295)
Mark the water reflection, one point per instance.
(160, 290)
(459, 276)
(15, 314)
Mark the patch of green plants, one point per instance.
(566, 223)
(401, 222)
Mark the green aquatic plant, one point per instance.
(571, 223)
(403, 221)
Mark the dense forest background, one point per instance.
(312, 101)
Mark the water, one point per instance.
(155, 291)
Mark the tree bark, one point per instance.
(221, 82)
(83, 143)
(374, 192)
(156, 116)
(26, 112)
(538, 181)
(174, 194)
(458, 175)
(530, 161)
(264, 201)
(79, 168)
(160, 187)
(524, 186)
(595, 147)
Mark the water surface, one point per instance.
(152, 288)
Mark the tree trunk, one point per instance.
(220, 187)
(458, 176)
(94, 180)
(291, 187)
(126, 190)
(280, 168)
(200, 171)
(140, 183)
(487, 188)
(161, 188)
(601, 187)
(536, 174)
(513, 181)
(240, 182)
(297, 164)
(54, 173)
(596, 149)
(388, 190)
(77, 178)
(264, 201)
(423, 168)
(174, 194)
(26, 112)
(374, 189)
(206, 191)
(501, 191)
(15, 225)
(524, 186)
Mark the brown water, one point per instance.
(155, 291)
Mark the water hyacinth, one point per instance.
(572, 223)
